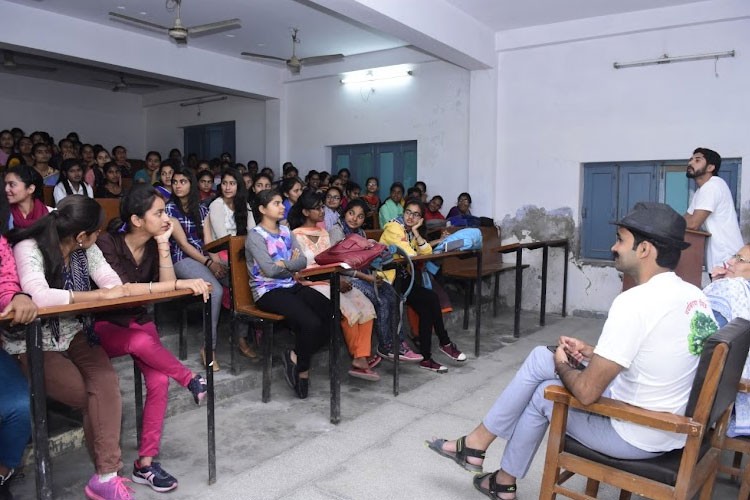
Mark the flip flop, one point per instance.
(374, 361)
(460, 455)
(364, 374)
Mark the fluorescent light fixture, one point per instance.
(203, 100)
(376, 74)
(670, 59)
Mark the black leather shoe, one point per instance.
(290, 370)
(5, 493)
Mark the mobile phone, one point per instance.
(571, 360)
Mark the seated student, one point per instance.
(6, 146)
(345, 176)
(290, 189)
(338, 183)
(88, 157)
(646, 325)
(24, 191)
(112, 187)
(382, 295)
(273, 256)
(357, 311)
(463, 205)
(312, 179)
(57, 260)
(408, 234)
(372, 199)
(24, 149)
(15, 415)
(325, 181)
(186, 245)
(433, 209)
(247, 179)
(41, 153)
(120, 155)
(206, 191)
(261, 182)
(94, 176)
(393, 206)
(163, 185)
(353, 192)
(136, 246)
(175, 155)
(150, 174)
(331, 209)
(414, 192)
(71, 181)
(423, 188)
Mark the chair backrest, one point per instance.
(111, 207)
(239, 276)
(719, 371)
(48, 196)
(373, 234)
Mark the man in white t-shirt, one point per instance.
(712, 206)
(647, 356)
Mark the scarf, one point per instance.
(76, 278)
(38, 210)
(347, 230)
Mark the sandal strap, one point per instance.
(500, 488)
(462, 451)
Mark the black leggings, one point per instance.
(308, 313)
(426, 304)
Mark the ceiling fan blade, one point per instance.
(142, 85)
(263, 56)
(137, 21)
(34, 67)
(111, 82)
(219, 25)
(321, 59)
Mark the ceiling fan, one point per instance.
(294, 63)
(177, 31)
(121, 84)
(9, 62)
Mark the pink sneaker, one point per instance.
(406, 354)
(114, 489)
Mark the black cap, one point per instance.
(656, 221)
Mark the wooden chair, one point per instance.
(374, 234)
(676, 474)
(465, 271)
(243, 308)
(740, 445)
(48, 196)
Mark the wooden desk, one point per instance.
(36, 370)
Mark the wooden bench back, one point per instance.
(240, 278)
(48, 196)
(490, 256)
(373, 234)
(111, 207)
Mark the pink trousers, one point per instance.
(156, 363)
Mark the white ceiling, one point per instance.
(266, 24)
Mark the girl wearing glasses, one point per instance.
(186, 244)
(407, 232)
(357, 311)
(331, 209)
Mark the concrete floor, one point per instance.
(288, 449)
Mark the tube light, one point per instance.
(670, 59)
(375, 75)
(203, 101)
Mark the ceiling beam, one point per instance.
(68, 38)
(434, 26)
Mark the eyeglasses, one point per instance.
(740, 258)
(409, 213)
(333, 197)
(181, 182)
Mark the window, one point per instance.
(210, 140)
(610, 190)
(388, 161)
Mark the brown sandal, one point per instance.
(245, 349)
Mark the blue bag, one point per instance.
(463, 239)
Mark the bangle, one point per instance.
(208, 262)
(150, 284)
(175, 284)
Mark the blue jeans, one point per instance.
(523, 402)
(15, 414)
(189, 268)
(386, 306)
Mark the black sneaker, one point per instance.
(154, 476)
(290, 371)
(302, 386)
(197, 386)
(5, 493)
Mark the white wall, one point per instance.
(164, 123)
(431, 108)
(561, 105)
(99, 116)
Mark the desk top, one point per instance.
(108, 304)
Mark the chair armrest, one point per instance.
(622, 411)
(744, 385)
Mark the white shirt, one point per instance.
(222, 219)
(651, 331)
(59, 192)
(715, 197)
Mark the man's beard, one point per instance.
(695, 173)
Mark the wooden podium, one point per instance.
(690, 267)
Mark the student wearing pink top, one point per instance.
(56, 259)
